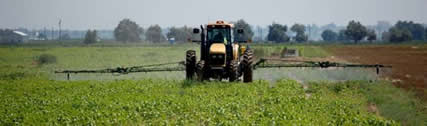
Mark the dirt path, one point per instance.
(409, 62)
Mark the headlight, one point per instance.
(220, 56)
(214, 56)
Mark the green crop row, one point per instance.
(46, 102)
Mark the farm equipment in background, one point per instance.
(222, 58)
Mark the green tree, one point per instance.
(356, 31)
(180, 34)
(247, 34)
(301, 38)
(425, 34)
(277, 33)
(128, 31)
(417, 30)
(154, 34)
(372, 36)
(399, 35)
(329, 35)
(342, 36)
(300, 30)
(90, 37)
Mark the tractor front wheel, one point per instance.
(247, 66)
(233, 71)
(190, 64)
(201, 71)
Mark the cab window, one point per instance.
(219, 35)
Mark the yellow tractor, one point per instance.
(221, 56)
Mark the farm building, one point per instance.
(12, 37)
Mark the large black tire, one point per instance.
(233, 71)
(201, 71)
(248, 58)
(190, 64)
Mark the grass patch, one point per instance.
(391, 102)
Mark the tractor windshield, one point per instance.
(219, 35)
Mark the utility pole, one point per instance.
(60, 21)
(45, 33)
(309, 31)
(53, 34)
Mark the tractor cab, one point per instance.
(219, 32)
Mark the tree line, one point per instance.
(402, 31)
(129, 31)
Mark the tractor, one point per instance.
(220, 56)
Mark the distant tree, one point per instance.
(399, 35)
(425, 34)
(277, 33)
(128, 31)
(300, 30)
(90, 37)
(372, 36)
(180, 34)
(247, 34)
(331, 26)
(417, 30)
(342, 36)
(329, 35)
(154, 34)
(301, 37)
(356, 31)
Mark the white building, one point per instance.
(13, 37)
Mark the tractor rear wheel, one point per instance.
(190, 64)
(233, 71)
(201, 71)
(247, 66)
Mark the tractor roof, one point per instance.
(220, 23)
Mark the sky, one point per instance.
(106, 14)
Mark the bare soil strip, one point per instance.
(409, 62)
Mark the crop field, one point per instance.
(31, 94)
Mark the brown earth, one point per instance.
(409, 62)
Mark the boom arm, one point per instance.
(262, 64)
